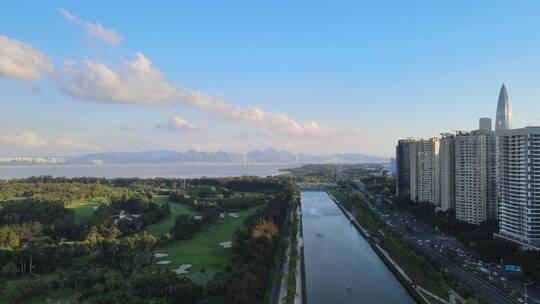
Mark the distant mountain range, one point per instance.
(193, 156)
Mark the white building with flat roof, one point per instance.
(518, 186)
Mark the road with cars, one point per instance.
(467, 266)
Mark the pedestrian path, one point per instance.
(284, 279)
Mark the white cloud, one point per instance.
(29, 140)
(20, 60)
(138, 82)
(179, 124)
(24, 140)
(95, 29)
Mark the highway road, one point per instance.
(404, 222)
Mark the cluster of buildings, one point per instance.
(480, 175)
(31, 160)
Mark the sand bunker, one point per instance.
(182, 269)
(232, 214)
(197, 217)
(95, 208)
(163, 262)
(227, 244)
(160, 255)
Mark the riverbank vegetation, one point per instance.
(254, 248)
(93, 240)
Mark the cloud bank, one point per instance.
(139, 82)
(29, 140)
(24, 140)
(95, 29)
(20, 60)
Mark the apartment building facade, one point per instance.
(403, 165)
(447, 169)
(518, 191)
(424, 171)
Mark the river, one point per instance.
(149, 170)
(338, 258)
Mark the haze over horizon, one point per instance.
(303, 77)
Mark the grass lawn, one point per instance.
(204, 251)
(84, 208)
(164, 226)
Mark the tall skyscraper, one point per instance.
(475, 176)
(518, 186)
(503, 119)
(424, 176)
(447, 169)
(403, 165)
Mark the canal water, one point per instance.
(341, 267)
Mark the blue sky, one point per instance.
(347, 76)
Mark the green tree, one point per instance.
(9, 270)
(184, 227)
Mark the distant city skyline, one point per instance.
(304, 77)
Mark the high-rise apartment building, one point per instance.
(518, 157)
(482, 174)
(403, 168)
(447, 169)
(424, 173)
(475, 176)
